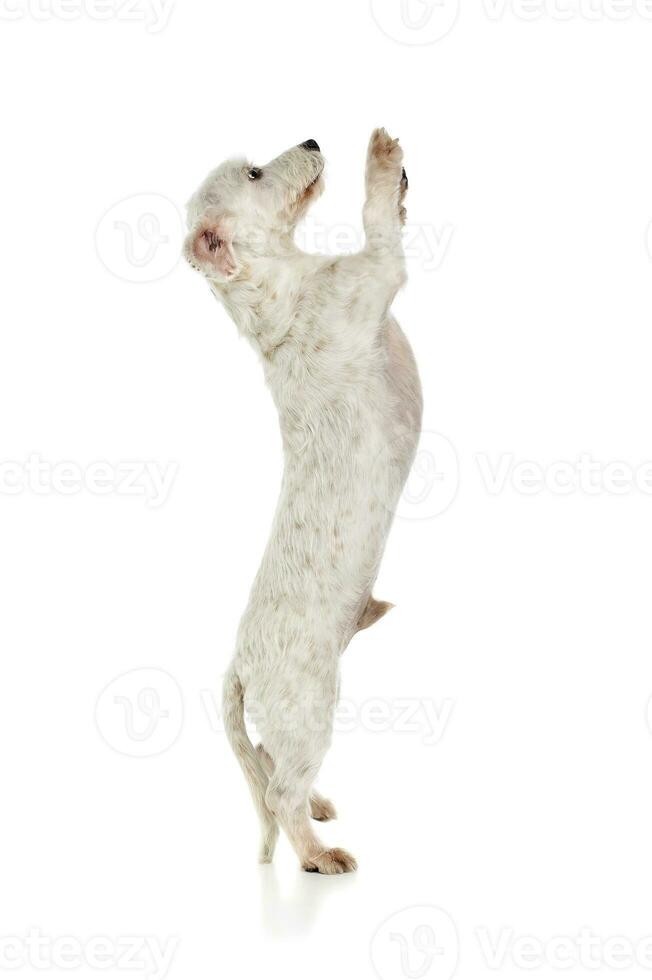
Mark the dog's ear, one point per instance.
(213, 252)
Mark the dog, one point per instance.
(345, 383)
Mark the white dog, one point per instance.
(347, 391)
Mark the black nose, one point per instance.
(310, 145)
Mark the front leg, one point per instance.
(381, 264)
(386, 186)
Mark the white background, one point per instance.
(522, 616)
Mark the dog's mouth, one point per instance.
(313, 185)
(317, 178)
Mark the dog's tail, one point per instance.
(234, 724)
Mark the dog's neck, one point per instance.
(265, 294)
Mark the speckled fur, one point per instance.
(347, 392)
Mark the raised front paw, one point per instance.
(385, 157)
(402, 213)
(321, 808)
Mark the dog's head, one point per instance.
(243, 211)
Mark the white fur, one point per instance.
(348, 397)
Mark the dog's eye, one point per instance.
(255, 174)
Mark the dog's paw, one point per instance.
(385, 155)
(334, 861)
(321, 808)
(402, 213)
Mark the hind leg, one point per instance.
(287, 798)
(268, 839)
(296, 732)
(255, 774)
(298, 755)
(320, 808)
